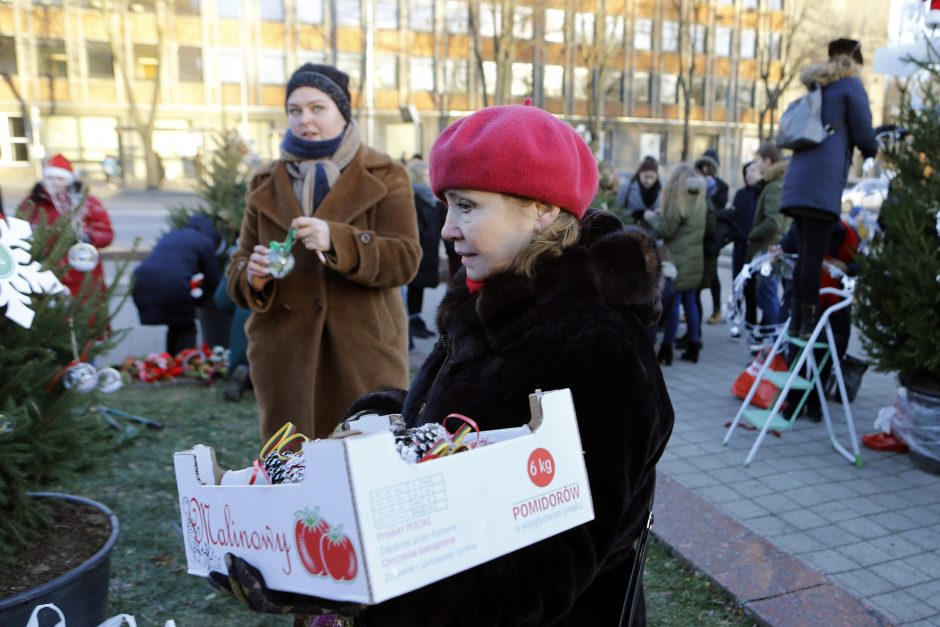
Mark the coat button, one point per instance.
(319, 305)
(365, 238)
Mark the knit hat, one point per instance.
(847, 47)
(649, 164)
(58, 165)
(516, 149)
(328, 79)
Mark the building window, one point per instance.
(521, 79)
(555, 25)
(774, 48)
(726, 2)
(422, 16)
(775, 5)
(351, 63)
(746, 94)
(457, 17)
(7, 54)
(231, 65)
(720, 95)
(490, 19)
(311, 11)
(582, 83)
(190, 58)
(386, 72)
(522, 22)
(489, 76)
(553, 81)
(584, 27)
(614, 85)
(13, 146)
(50, 58)
(186, 7)
(614, 28)
(230, 8)
(316, 57)
(722, 41)
(670, 36)
(641, 87)
(700, 38)
(748, 43)
(386, 14)
(100, 59)
(698, 90)
(421, 74)
(667, 89)
(749, 4)
(348, 12)
(653, 145)
(146, 62)
(456, 75)
(271, 67)
(271, 10)
(643, 34)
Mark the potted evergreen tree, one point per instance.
(54, 548)
(898, 295)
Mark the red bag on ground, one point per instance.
(766, 390)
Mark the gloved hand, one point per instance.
(245, 583)
(637, 214)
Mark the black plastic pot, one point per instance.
(925, 427)
(81, 593)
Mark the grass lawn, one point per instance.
(148, 567)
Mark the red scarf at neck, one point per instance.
(474, 286)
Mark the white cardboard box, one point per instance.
(396, 526)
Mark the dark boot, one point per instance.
(665, 354)
(809, 316)
(691, 354)
(418, 329)
(236, 384)
(794, 329)
(683, 342)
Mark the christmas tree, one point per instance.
(46, 430)
(898, 296)
(222, 187)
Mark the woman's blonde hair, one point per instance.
(551, 241)
(684, 184)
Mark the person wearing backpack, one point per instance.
(813, 184)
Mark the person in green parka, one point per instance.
(680, 223)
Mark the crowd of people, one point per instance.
(544, 292)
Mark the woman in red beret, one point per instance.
(552, 295)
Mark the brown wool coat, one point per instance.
(326, 334)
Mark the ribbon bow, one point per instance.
(454, 442)
(284, 438)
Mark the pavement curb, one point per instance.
(775, 588)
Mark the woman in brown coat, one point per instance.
(334, 328)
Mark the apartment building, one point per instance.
(415, 66)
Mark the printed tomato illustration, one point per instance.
(309, 529)
(339, 556)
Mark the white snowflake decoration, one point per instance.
(20, 276)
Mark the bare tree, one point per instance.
(689, 13)
(142, 121)
(503, 14)
(781, 56)
(598, 48)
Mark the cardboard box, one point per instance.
(365, 525)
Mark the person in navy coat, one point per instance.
(163, 290)
(813, 184)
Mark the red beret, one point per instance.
(519, 150)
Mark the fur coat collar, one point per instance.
(610, 266)
(837, 68)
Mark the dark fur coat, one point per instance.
(580, 323)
